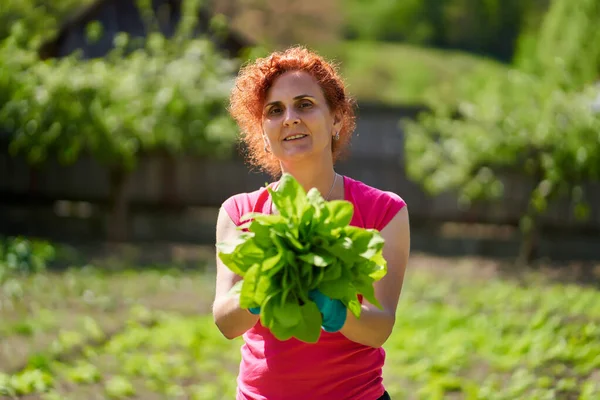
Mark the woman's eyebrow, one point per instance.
(295, 98)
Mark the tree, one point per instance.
(537, 119)
(167, 96)
(36, 18)
(488, 27)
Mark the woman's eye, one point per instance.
(305, 104)
(275, 110)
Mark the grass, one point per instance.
(461, 333)
(396, 74)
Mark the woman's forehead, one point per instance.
(293, 84)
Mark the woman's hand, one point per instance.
(375, 325)
(333, 311)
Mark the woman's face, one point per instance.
(297, 122)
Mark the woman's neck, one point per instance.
(320, 175)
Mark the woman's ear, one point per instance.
(266, 142)
(337, 121)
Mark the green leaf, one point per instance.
(249, 288)
(228, 248)
(354, 306)
(261, 232)
(287, 314)
(364, 286)
(273, 264)
(370, 269)
(333, 271)
(240, 256)
(342, 250)
(375, 245)
(267, 310)
(340, 213)
(299, 283)
(309, 330)
(316, 200)
(263, 288)
(317, 278)
(337, 289)
(317, 203)
(281, 244)
(248, 249)
(283, 333)
(360, 239)
(318, 260)
(379, 260)
(307, 274)
(289, 198)
(233, 262)
(307, 222)
(294, 242)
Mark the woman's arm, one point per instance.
(231, 320)
(375, 325)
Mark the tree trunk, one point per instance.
(528, 250)
(530, 232)
(118, 219)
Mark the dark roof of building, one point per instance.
(232, 43)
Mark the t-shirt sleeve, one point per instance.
(240, 204)
(386, 206)
(234, 206)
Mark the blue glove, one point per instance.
(333, 311)
(254, 310)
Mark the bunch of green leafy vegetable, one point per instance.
(308, 244)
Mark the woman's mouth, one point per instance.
(294, 137)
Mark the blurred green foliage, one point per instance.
(157, 93)
(167, 94)
(39, 19)
(566, 49)
(24, 256)
(538, 118)
(489, 27)
(159, 97)
(88, 332)
(399, 74)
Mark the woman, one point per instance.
(296, 117)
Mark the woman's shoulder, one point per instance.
(374, 207)
(370, 194)
(244, 202)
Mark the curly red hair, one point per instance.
(250, 91)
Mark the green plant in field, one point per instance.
(119, 387)
(28, 382)
(84, 373)
(23, 256)
(457, 336)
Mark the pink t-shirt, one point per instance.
(334, 367)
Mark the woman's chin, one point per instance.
(301, 153)
(297, 153)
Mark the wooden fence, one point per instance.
(176, 199)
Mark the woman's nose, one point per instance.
(291, 117)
